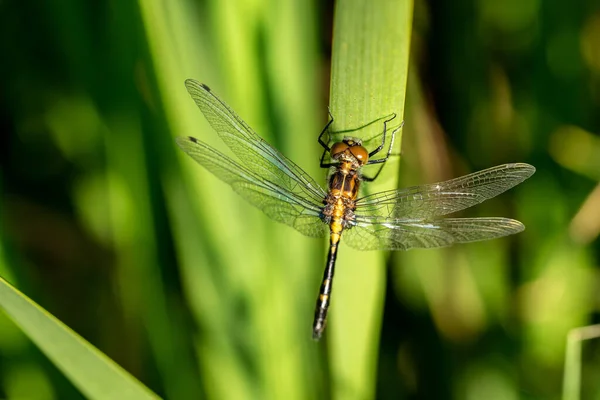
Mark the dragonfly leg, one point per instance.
(372, 178)
(378, 149)
(321, 142)
(387, 156)
(326, 148)
(323, 164)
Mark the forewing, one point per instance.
(432, 200)
(251, 149)
(279, 203)
(428, 234)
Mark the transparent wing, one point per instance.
(429, 201)
(279, 203)
(251, 149)
(427, 234)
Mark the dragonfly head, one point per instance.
(350, 149)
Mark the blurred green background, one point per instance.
(109, 226)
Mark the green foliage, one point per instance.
(94, 374)
(113, 230)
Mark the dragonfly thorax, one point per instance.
(350, 150)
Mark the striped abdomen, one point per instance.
(339, 209)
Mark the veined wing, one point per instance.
(279, 203)
(251, 149)
(432, 200)
(426, 234)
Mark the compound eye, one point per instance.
(337, 149)
(360, 153)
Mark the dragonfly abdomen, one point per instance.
(324, 294)
(336, 213)
(323, 300)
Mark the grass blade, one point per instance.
(572, 376)
(368, 81)
(92, 372)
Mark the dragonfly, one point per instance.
(398, 219)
